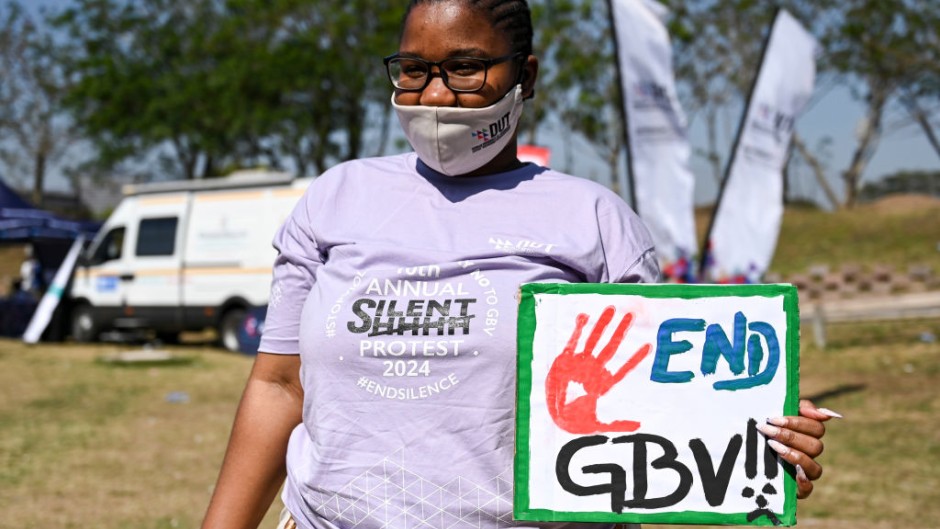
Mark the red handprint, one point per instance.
(580, 415)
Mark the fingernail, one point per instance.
(778, 421)
(801, 474)
(768, 430)
(830, 413)
(778, 447)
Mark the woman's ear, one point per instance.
(530, 73)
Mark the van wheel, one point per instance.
(82, 324)
(229, 326)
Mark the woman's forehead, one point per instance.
(436, 30)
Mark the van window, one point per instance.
(156, 237)
(110, 247)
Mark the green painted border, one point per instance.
(525, 337)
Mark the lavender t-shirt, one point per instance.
(397, 286)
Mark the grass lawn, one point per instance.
(87, 444)
(895, 231)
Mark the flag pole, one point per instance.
(703, 259)
(623, 109)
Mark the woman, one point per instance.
(386, 377)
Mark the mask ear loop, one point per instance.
(524, 76)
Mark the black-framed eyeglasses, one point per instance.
(460, 74)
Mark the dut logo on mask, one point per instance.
(494, 132)
(454, 140)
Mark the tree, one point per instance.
(220, 84)
(34, 130)
(140, 79)
(717, 49)
(577, 77)
(887, 52)
(920, 91)
(881, 49)
(332, 80)
(554, 38)
(921, 182)
(716, 54)
(816, 166)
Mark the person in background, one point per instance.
(386, 371)
(30, 273)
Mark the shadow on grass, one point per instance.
(838, 391)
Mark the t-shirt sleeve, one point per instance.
(629, 254)
(298, 257)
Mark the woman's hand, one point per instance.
(798, 440)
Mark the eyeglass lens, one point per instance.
(459, 74)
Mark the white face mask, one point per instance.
(455, 141)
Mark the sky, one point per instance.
(833, 113)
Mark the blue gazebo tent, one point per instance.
(21, 221)
(50, 236)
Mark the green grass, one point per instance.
(84, 443)
(897, 232)
(88, 444)
(888, 446)
(861, 236)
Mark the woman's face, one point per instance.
(441, 30)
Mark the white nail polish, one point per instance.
(768, 430)
(778, 421)
(778, 447)
(830, 413)
(801, 474)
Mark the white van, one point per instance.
(188, 255)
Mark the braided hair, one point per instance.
(510, 16)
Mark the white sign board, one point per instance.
(639, 403)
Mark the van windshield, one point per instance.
(111, 247)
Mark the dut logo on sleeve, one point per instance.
(522, 246)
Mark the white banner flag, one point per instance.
(663, 185)
(750, 208)
(50, 300)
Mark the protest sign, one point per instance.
(640, 403)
